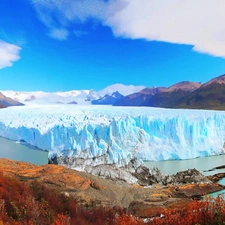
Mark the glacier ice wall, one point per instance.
(116, 134)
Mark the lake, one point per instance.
(201, 164)
(27, 153)
(22, 152)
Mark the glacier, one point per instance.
(97, 135)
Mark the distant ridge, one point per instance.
(190, 95)
(185, 94)
(108, 99)
(81, 97)
(210, 95)
(159, 96)
(6, 101)
(184, 86)
(216, 80)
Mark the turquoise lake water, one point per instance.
(22, 152)
(27, 153)
(201, 164)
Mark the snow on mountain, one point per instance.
(106, 134)
(40, 97)
(122, 89)
(82, 97)
(108, 99)
(6, 101)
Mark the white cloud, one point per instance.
(57, 14)
(194, 22)
(60, 34)
(9, 53)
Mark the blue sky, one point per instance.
(90, 44)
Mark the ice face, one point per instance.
(119, 133)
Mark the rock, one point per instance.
(53, 160)
(131, 171)
(143, 176)
(112, 172)
(194, 190)
(96, 186)
(217, 167)
(216, 177)
(148, 177)
(190, 176)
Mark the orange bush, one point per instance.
(61, 220)
(125, 219)
(209, 211)
(22, 204)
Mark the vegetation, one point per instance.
(165, 99)
(34, 204)
(211, 96)
(206, 97)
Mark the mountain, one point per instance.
(40, 97)
(171, 96)
(6, 101)
(159, 97)
(184, 94)
(122, 89)
(81, 97)
(72, 103)
(216, 80)
(2, 106)
(138, 98)
(210, 95)
(108, 99)
(184, 86)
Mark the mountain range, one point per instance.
(107, 96)
(160, 96)
(210, 95)
(185, 94)
(6, 101)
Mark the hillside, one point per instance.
(161, 96)
(94, 191)
(210, 95)
(138, 98)
(166, 99)
(2, 106)
(6, 101)
(184, 94)
(187, 95)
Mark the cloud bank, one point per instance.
(199, 23)
(9, 53)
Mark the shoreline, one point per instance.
(95, 191)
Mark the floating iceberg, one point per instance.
(106, 135)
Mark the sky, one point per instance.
(55, 45)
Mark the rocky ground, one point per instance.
(152, 192)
